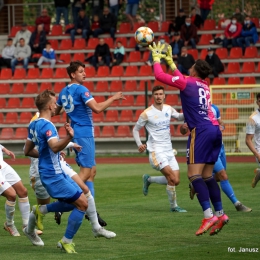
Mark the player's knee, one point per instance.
(22, 192)
(222, 175)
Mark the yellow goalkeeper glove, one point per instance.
(168, 58)
(157, 51)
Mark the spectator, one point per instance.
(82, 26)
(62, 7)
(176, 44)
(119, 53)
(215, 63)
(248, 34)
(77, 5)
(97, 7)
(107, 24)
(232, 32)
(205, 8)
(101, 55)
(131, 10)
(196, 18)
(189, 33)
(45, 20)
(114, 6)
(48, 55)
(38, 39)
(238, 15)
(7, 54)
(179, 21)
(23, 33)
(185, 61)
(21, 55)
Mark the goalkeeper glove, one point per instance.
(157, 51)
(168, 58)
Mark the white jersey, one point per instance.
(253, 128)
(157, 123)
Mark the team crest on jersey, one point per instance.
(48, 133)
(175, 78)
(166, 114)
(87, 94)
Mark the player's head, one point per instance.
(158, 95)
(76, 71)
(200, 69)
(45, 101)
(258, 99)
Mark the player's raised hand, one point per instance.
(168, 58)
(77, 147)
(118, 95)
(157, 51)
(142, 148)
(69, 129)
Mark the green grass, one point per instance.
(145, 227)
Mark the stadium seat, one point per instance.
(124, 28)
(217, 98)
(166, 38)
(79, 44)
(131, 43)
(156, 83)
(96, 131)
(123, 131)
(233, 67)
(1, 118)
(62, 132)
(141, 86)
(256, 21)
(99, 99)
(222, 53)
(194, 53)
(137, 25)
(204, 39)
(58, 86)
(55, 119)
(131, 71)
(98, 117)
(66, 44)
(33, 73)
(65, 57)
(123, 40)
(129, 101)
(230, 130)
(234, 81)
(249, 80)
(90, 72)
(13, 103)
(140, 101)
(250, 52)
(231, 113)
(6, 74)
(92, 43)
(117, 71)
(165, 26)
(219, 81)
(19, 73)
(146, 70)
(56, 30)
(21, 133)
(89, 85)
(28, 102)
(79, 56)
(101, 86)
(7, 133)
(2, 103)
(108, 131)
(36, 55)
(17, 88)
(115, 86)
(130, 85)
(146, 56)
(14, 30)
(111, 116)
(235, 53)
(103, 71)
(209, 25)
(31, 28)
(4, 88)
(126, 116)
(45, 85)
(25, 117)
(47, 73)
(138, 112)
(248, 67)
(60, 73)
(11, 118)
(54, 44)
(154, 26)
(110, 42)
(134, 56)
(172, 100)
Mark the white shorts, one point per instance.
(159, 160)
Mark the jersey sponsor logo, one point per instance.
(87, 94)
(48, 133)
(166, 114)
(175, 78)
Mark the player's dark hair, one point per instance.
(74, 65)
(156, 88)
(43, 99)
(202, 68)
(257, 96)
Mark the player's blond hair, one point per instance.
(43, 99)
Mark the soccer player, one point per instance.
(43, 133)
(78, 103)
(156, 120)
(205, 137)
(10, 186)
(219, 170)
(253, 132)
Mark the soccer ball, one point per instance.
(174, 152)
(144, 36)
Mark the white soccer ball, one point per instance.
(174, 152)
(144, 36)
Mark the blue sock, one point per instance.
(59, 206)
(74, 222)
(90, 185)
(228, 190)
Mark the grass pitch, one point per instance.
(145, 227)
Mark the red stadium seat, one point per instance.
(117, 71)
(90, 72)
(126, 116)
(194, 53)
(248, 67)
(217, 98)
(47, 73)
(99, 99)
(137, 25)
(141, 86)
(33, 73)
(21, 133)
(116, 86)
(233, 81)
(25, 117)
(14, 30)
(250, 52)
(110, 42)
(11, 118)
(146, 56)
(209, 25)
(58, 86)
(130, 85)
(28, 102)
(146, 70)
(131, 43)
(249, 80)
(1, 118)
(66, 44)
(89, 85)
(123, 131)
(222, 53)
(233, 67)
(108, 131)
(131, 71)
(124, 28)
(61, 73)
(55, 119)
(102, 86)
(255, 20)
(219, 81)
(19, 73)
(6, 73)
(235, 53)
(111, 116)
(165, 26)
(79, 56)
(56, 30)
(65, 57)
(154, 26)
(231, 113)
(7, 133)
(54, 44)
(134, 56)
(62, 132)
(138, 112)
(204, 39)
(13, 103)
(103, 71)
(129, 101)
(18, 88)
(79, 44)
(45, 85)
(4, 88)
(96, 131)
(2, 103)
(92, 43)
(140, 101)
(31, 28)
(172, 100)
(98, 117)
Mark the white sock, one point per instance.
(171, 196)
(9, 211)
(219, 213)
(31, 223)
(236, 203)
(66, 240)
(43, 209)
(92, 212)
(158, 179)
(208, 213)
(24, 207)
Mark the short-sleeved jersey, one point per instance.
(157, 123)
(195, 97)
(41, 131)
(253, 128)
(74, 98)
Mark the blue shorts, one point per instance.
(221, 162)
(204, 144)
(86, 157)
(61, 187)
(131, 9)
